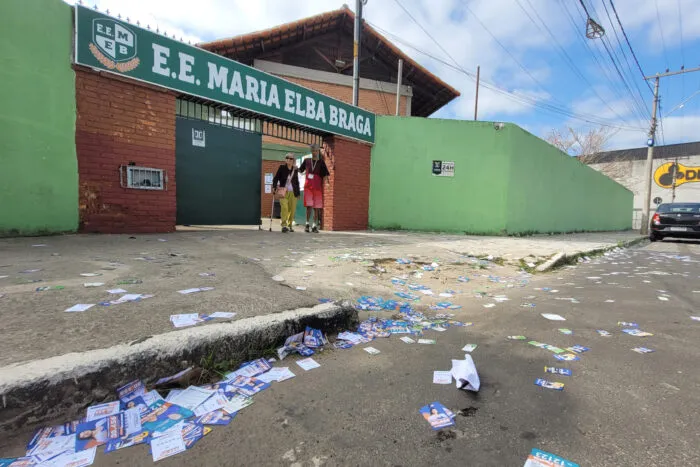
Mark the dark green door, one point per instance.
(217, 174)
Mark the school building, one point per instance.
(110, 127)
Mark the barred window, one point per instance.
(143, 178)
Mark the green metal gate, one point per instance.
(218, 172)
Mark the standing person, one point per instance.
(316, 172)
(285, 186)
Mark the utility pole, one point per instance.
(356, 52)
(398, 86)
(648, 169)
(476, 99)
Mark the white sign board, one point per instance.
(268, 179)
(444, 168)
(268, 189)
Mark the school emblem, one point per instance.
(114, 45)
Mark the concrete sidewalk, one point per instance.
(328, 265)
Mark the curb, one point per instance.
(561, 258)
(63, 386)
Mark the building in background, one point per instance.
(317, 53)
(626, 166)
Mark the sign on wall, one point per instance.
(118, 47)
(443, 169)
(665, 174)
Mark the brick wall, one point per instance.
(346, 197)
(382, 103)
(120, 121)
(266, 198)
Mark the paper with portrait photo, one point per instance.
(164, 415)
(98, 432)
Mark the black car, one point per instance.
(681, 220)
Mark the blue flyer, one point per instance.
(132, 440)
(539, 458)
(549, 384)
(98, 432)
(217, 417)
(437, 415)
(578, 349)
(131, 390)
(567, 357)
(557, 371)
(313, 338)
(164, 415)
(18, 462)
(193, 432)
(248, 386)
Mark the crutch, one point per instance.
(272, 208)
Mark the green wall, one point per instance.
(506, 181)
(404, 193)
(39, 175)
(550, 191)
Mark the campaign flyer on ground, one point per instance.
(249, 386)
(98, 432)
(217, 417)
(164, 415)
(437, 415)
(539, 458)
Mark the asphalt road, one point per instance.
(619, 408)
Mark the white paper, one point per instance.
(132, 420)
(446, 295)
(408, 340)
(172, 394)
(151, 397)
(192, 397)
(222, 315)
(426, 341)
(237, 403)
(371, 350)
(51, 447)
(489, 305)
(188, 291)
(464, 371)
(439, 329)
(553, 317)
(663, 299)
(102, 410)
(427, 292)
(300, 287)
(93, 284)
(79, 307)
(215, 402)
(277, 374)
(184, 320)
(469, 347)
(90, 274)
(78, 459)
(116, 291)
(169, 444)
(442, 377)
(308, 364)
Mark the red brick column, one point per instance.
(120, 122)
(266, 198)
(346, 197)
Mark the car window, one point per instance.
(687, 208)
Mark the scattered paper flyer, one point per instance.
(277, 374)
(407, 340)
(578, 349)
(603, 333)
(637, 332)
(489, 305)
(426, 341)
(469, 347)
(557, 371)
(168, 444)
(93, 284)
(186, 319)
(222, 315)
(238, 402)
(103, 410)
(195, 290)
(215, 402)
(442, 377)
(553, 317)
(567, 357)
(695, 318)
(371, 350)
(98, 432)
(76, 459)
(437, 415)
(539, 458)
(192, 397)
(465, 374)
(549, 384)
(90, 274)
(177, 375)
(79, 307)
(663, 299)
(565, 331)
(308, 364)
(642, 350)
(131, 391)
(218, 417)
(516, 338)
(116, 291)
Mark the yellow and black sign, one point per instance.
(666, 173)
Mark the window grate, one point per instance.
(142, 178)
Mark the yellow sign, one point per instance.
(664, 175)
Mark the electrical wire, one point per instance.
(612, 4)
(521, 98)
(661, 31)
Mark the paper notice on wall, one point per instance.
(268, 179)
(268, 188)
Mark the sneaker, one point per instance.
(285, 230)
(307, 228)
(315, 229)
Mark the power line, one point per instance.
(628, 43)
(661, 30)
(521, 98)
(564, 53)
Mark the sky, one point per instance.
(538, 69)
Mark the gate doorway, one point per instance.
(218, 174)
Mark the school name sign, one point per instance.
(115, 46)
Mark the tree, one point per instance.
(588, 147)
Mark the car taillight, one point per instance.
(656, 219)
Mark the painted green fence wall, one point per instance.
(39, 174)
(506, 181)
(550, 191)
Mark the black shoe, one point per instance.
(285, 230)
(315, 229)
(307, 228)
(291, 229)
